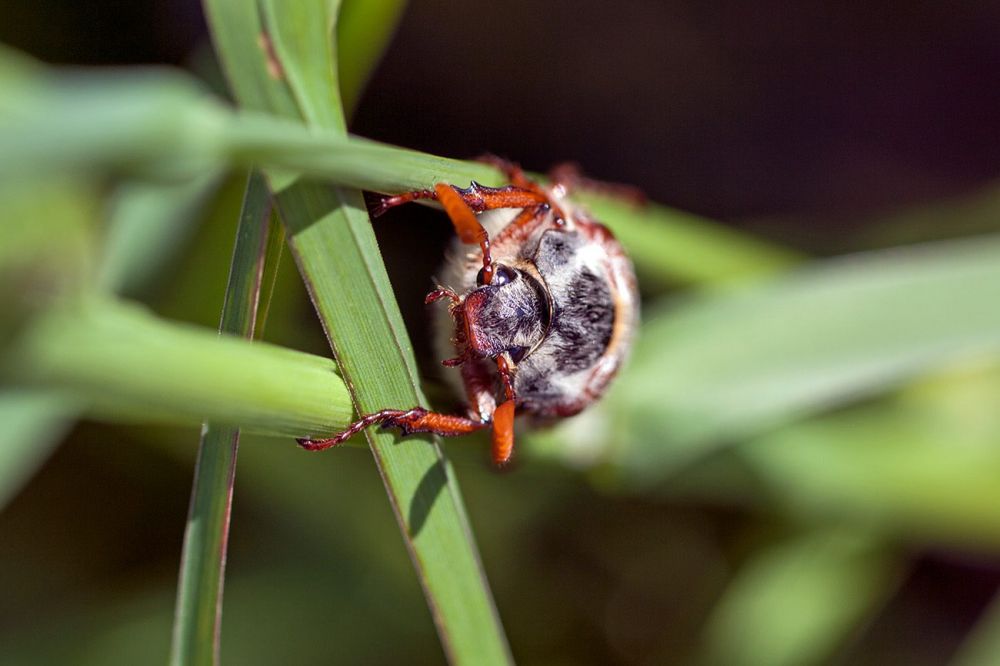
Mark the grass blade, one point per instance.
(332, 241)
(920, 467)
(123, 364)
(198, 618)
(167, 120)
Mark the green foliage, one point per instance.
(333, 244)
(852, 399)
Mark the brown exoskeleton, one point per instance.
(540, 317)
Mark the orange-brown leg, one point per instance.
(466, 225)
(477, 197)
(522, 226)
(503, 433)
(503, 417)
(409, 421)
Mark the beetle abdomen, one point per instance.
(571, 367)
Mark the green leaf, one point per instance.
(197, 625)
(920, 467)
(300, 36)
(124, 364)
(332, 241)
(166, 125)
(724, 366)
(45, 258)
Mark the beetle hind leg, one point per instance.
(407, 421)
(419, 419)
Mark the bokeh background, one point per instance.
(825, 128)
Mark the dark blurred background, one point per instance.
(807, 123)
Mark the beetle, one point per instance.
(540, 317)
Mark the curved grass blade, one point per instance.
(921, 466)
(166, 123)
(198, 618)
(121, 363)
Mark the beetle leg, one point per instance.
(503, 433)
(439, 293)
(503, 416)
(467, 227)
(526, 222)
(481, 198)
(387, 202)
(477, 197)
(408, 421)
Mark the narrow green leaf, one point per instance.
(198, 620)
(45, 257)
(332, 240)
(920, 467)
(124, 364)
(300, 34)
(167, 124)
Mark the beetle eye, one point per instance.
(501, 275)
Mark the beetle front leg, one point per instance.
(477, 197)
(408, 421)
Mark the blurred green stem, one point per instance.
(124, 363)
(166, 127)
